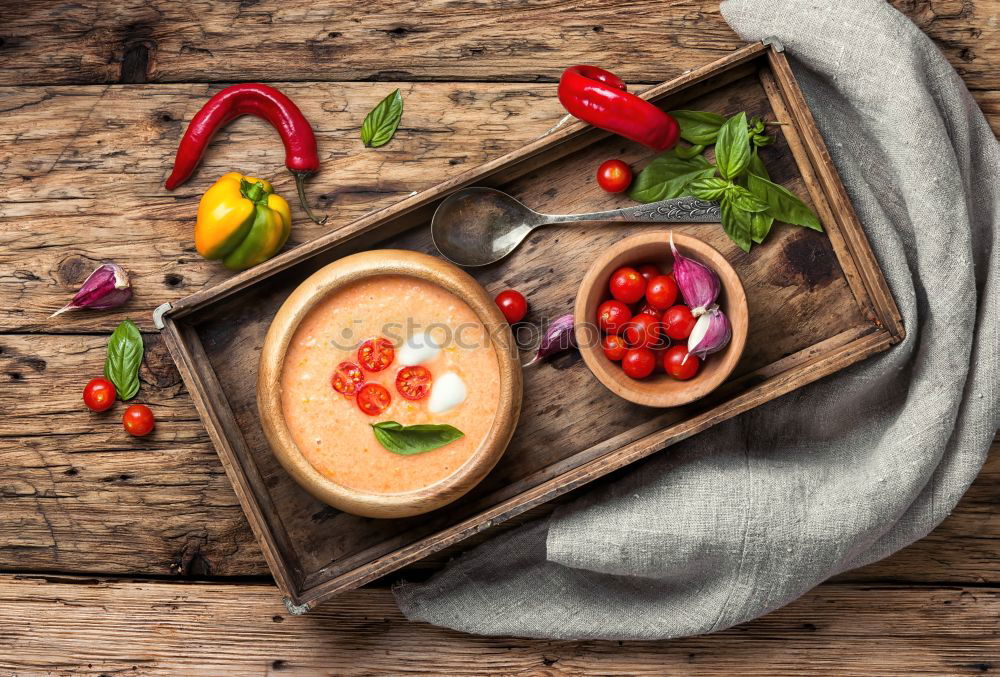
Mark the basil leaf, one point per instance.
(744, 199)
(756, 166)
(732, 148)
(124, 357)
(414, 439)
(667, 176)
(760, 222)
(761, 140)
(698, 127)
(783, 205)
(760, 226)
(688, 152)
(736, 223)
(381, 123)
(710, 188)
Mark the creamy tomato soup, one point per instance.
(333, 429)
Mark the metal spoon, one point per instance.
(479, 226)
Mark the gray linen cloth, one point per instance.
(751, 514)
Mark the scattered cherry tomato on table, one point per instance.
(639, 363)
(99, 394)
(138, 420)
(513, 305)
(613, 316)
(414, 383)
(614, 347)
(373, 399)
(678, 322)
(627, 285)
(614, 176)
(680, 364)
(661, 292)
(376, 354)
(347, 379)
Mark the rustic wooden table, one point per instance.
(132, 555)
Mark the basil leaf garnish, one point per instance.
(698, 127)
(732, 147)
(711, 188)
(760, 222)
(381, 123)
(736, 223)
(668, 176)
(743, 199)
(781, 204)
(124, 357)
(414, 439)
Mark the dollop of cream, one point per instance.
(448, 392)
(418, 349)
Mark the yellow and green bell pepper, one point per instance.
(241, 221)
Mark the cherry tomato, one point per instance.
(649, 271)
(138, 420)
(376, 354)
(644, 331)
(647, 309)
(638, 362)
(612, 316)
(614, 176)
(678, 322)
(680, 364)
(347, 379)
(614, 347)
(414, 383)
(99, 394)
(661, 292)
(627, 285)
(513, 305)
(373, 399)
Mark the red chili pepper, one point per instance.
(261, 101)
(596, 96)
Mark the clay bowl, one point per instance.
(659, 389)
(331, 278)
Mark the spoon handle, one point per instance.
(678, 210)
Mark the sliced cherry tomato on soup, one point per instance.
(661, 292)
(612, 316)
(373, 399)
(678, 322)
(627, 285)
(614, 347)
(644, 331)
(680, 364)
(347, 379)
(639, 363)
(614, 176)
(649, 271)
(376, 354)
(99, 394)
(513, 305)
(414, 383)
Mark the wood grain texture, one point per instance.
(135, 41)
(90, 627)
(67, 507)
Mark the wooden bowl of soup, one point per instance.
(659, 389)
(389, 384)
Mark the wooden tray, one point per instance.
(818, 302)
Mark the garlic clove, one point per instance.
(557, 338)
(711, 333)
(106, 288)
(698, 284)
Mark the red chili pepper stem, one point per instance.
(300, 178)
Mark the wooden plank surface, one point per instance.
(135, 41)
(91, 627)
(82, 168)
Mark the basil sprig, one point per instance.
(414, 439)
(749, 201)
(124, 358)
(381, 123)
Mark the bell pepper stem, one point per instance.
(300, 178)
